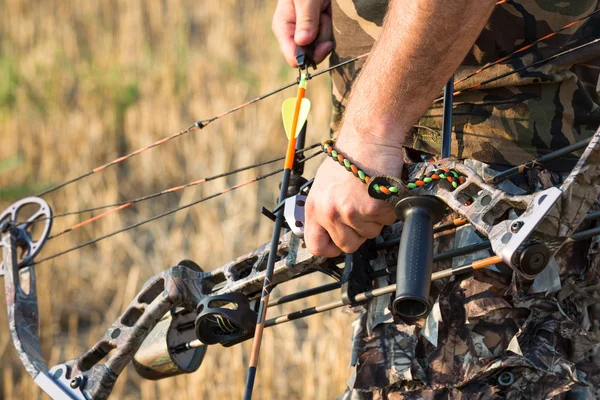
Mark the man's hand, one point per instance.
(420, 46)
(300, 23)
(340, 214)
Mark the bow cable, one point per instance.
(231, 189)
(196, 126)
(516, 71)
(526, 47)
(126, 203)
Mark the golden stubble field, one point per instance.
(84, 82)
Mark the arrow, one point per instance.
(298, 110)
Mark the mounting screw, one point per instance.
(75, 382)
(506, 379)
(516, 226)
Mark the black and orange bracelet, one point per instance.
(454, 177)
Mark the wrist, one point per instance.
(372, 152)
(365, 128)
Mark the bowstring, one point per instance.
(172, 211)
(172, 189)
(125, 204)
(117, 161)
(195, 126)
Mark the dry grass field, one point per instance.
(82, 82)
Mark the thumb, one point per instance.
(307, 21)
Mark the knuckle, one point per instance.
(315, 248)
(330, 213)
(322, 249)
(389, 220)
(350, 247)
(306, 17)
(309, 206)
(332, 251)
(372, 207)
(348, 241)
(373, 232)
(349, 211)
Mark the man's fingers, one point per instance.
(378, 211)
(324, 44)
(349, 215)
(288, 49)
(318, 241)
(284, 26)
(344, 237)
(300, 23)
(369, 230)
(308, 13)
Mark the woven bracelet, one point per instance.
(437, 175)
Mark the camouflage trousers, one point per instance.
(489, 335)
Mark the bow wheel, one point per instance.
(31, 219)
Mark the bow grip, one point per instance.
(415, 256)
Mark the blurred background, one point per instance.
(83, 82)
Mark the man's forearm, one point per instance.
(421, 45)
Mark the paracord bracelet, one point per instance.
(454, 177)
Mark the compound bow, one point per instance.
(166, 329)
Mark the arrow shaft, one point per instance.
(267, 285)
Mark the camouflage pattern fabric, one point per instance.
(489, 335)
(511, 120)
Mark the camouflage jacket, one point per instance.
(489, 334)
(511, 120)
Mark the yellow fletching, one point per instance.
(287, 113)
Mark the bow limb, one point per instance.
(580, 191)
(22, 305)
(168, 299)
(85, 377)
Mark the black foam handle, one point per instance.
(415, 257)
